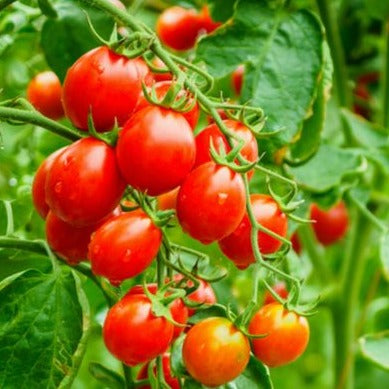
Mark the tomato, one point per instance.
(237, 79)
(178, 309)
(44, 93)
(237, 246)
(161, 89)
(206, 21)
(156, 150)
(133, 334)
(178, 28)
(296, 244)
(124, 246)
(280, 289)
(39, 184)
(159, 64)
(168, 200)
(215, 351)
(170, 380)
(287, 335)
(221, 113)
(105, 84)
(331, 225)
(212, 132)
(211, 202)
(84, 184)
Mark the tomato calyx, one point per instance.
(110, 137)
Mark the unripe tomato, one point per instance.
(211, 202)
(331, 225)
(237, 246)
(161, 89)
(124, 246)
(212, 132)
(158, 63)
(39, 185)
(168, 200)
(215, 351)
(287, 335)
(167, 372)
(156, 150)
(296, 244)
(84, 184)
(44, 93)
(133, 334)
(105, 84)
(178, 309)
(280, 289)
(237, 79)
(178, 28)
(207, 23)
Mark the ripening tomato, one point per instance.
(178, 309)
(215, 351)
(280, 289)
(105, 84)
(84, 184)
(237, 246)
(124, 246)
(207, 23)
(211, 202)
(161, 89)
(331, 225)
(39, 185)
(133, 334)
(156, 150)
(173, 383)
(44, 93)
(212, 132)
(237, 79)
(168, 200)
(159, 64)
(296, 244)
(178, 28)
(287, 335)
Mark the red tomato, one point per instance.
(206, 21)
(296, 244)
(237, 246)
(124, 246)
(158, 63)
(84, 184)
(215, 351)
(105, 84)
(287, 335)
(178, 309)
(161, 89)
(44, 93)
(133, 334)
(211, 202)
(156, 150)
(280, 289)
(39, 183)
(221, 113)
(212, 132)
(168, 200)
(237, 79)
(178, 28)
(170, 380)
(331, 225)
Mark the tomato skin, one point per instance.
(124, 246)
(280, 289)
(161, 89)
(158, 77)
(178, 309)
(287, 338)
(168, 200)
(173, 383)
(296, 244)
(331, 225)
(211, 202)
(105, 83)
(208, 24)
(212, 132)
(44, 93)
(215, 352)
(178, 28)
(237, 246)
(156, 150)
(84, 184)
(39, 185)
(133, 334)
(237, 79)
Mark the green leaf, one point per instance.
(384, 255)
(67, 37)
(192, 384)
(283, 57)
(176, 362)
(378, 9)
(213, 311)
(327, 169)
(47, 8)
(44, 320)
(374, 347)
(221, 10)
(108, 377)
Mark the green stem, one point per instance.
(127, 372)
(385, 79)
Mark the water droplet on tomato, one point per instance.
(221, 198)
(58, 187)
